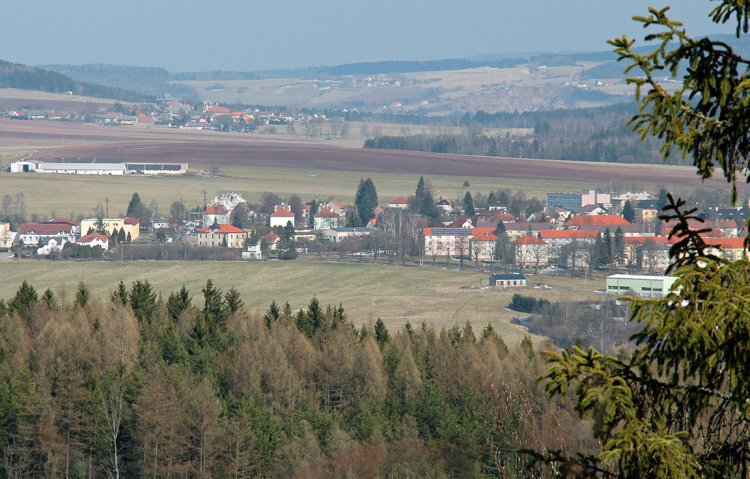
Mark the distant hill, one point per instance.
(613, 69)
(152, 81)
(15, 75)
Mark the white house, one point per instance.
(512, 280)
(32, 233)
(281, 216)
(326, 218)
(94, 239)
(253, 252)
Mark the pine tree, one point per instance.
(24, 301)
(381, 333)
(628, 213)
(142, 299)
(99, 226)
(313, 212)
(676, 405)
(491, 200)
(469, 205)
(82, 294)
(178, 302)
(272, 315)
(120, 295)
(366, 200)
(233, 300)
(420, 191)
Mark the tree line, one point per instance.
(144, 385)
(590, 134)
(15, 75)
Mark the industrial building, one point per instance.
(97, 166)
(644, 286)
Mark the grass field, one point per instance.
(396, 294)
(71, 195)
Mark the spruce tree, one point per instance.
(491, 200)
(366, 200)
(676, 404)
(628, 213)
(469, 204)
(420, 191)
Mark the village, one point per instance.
(183, 114)
(572, 233)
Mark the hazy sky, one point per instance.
(193, 35)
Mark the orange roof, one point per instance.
(143, 118)
(575, 234)
(216, 109)
(529, 240)
(326, 213)
(90, 237)
(129, 220)
(398, 201)
(222, 229)
(281, 213)
(215, 210)
(270, 238)
(597, 220)
(727, 243)
(645, 239)
(484, 236)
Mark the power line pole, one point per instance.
(106, 200)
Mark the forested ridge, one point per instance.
(585, 134)
(15, 75)
(138, 385)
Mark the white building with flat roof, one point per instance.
(642, 285)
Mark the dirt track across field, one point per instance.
(53, 139)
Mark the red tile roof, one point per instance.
(529, 240)
(645, 239)
(597, 220)
(484, 236)
(270, 238)
(326, 213)
(280, 213)
(143, 118)
(90, 237)
(216, 110)
(727, 243)
(45, 229)
(398, 201)
(222, 229)
(574, 234)
(129, 220)
(215, 210)
(61, 220)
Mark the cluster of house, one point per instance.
(564, 234)
(52, 235)
(326, 223)
(172, 112)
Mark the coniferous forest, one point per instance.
(196, 385)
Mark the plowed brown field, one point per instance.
(55, 139)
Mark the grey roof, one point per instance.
(82, 166)
(495, 277)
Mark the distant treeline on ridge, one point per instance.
(15, 75)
